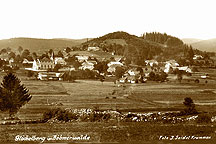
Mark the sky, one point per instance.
(77, 19)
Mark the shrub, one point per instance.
(49, 114)
(204, 118)
(190, 106)
(196, 81)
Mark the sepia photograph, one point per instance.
(107, 71)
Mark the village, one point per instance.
(68, 62)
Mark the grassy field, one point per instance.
(150, 96)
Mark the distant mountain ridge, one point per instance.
(203, 45)
(191, 40)
(39, 45)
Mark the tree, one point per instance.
(68, 50)
(101, 67)
(179, 74)
(152, 76)
(18, 59)
(140, 70)
(13, 95)
(2, 63)
(34, 55)
(57, 67)
(190, 55)
(190, 106)
(30, 74)
(119, 72)
(73, 61)
(44, 56)
(3, 51)
(60, 54)
(69, 76)
(20, 49)
(12, 55)
(7, 69)
(51, 51)
(163, 76)
(25, 53)
(8, 49)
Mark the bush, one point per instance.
(204, 118)
(196, 81)
(190, 106)
(95, 116)
(50, 114)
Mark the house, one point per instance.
(93, 48)
(82, 58)
(59, 60)
(170, 65)
(185, 68)
(112, 66)
(151, 62)
(87, 65)
(49, 76)
(197, 57)
(27, 64)
(42, 65)
(46, 64)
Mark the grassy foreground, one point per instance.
(113, 132)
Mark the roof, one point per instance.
(114, 63)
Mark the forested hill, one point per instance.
(163, 39)
(136, 49)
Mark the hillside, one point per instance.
(39, 45)
(190, 40)
(136, 49)
(205, 45)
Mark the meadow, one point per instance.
(147, 97)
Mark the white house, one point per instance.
(170, 64)
(112, 66)
(185, 68)
(59, 60)
(82, 58)
(49, 76)
(93, 48)
(42, 65)
(87, 65)
(197, 57)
